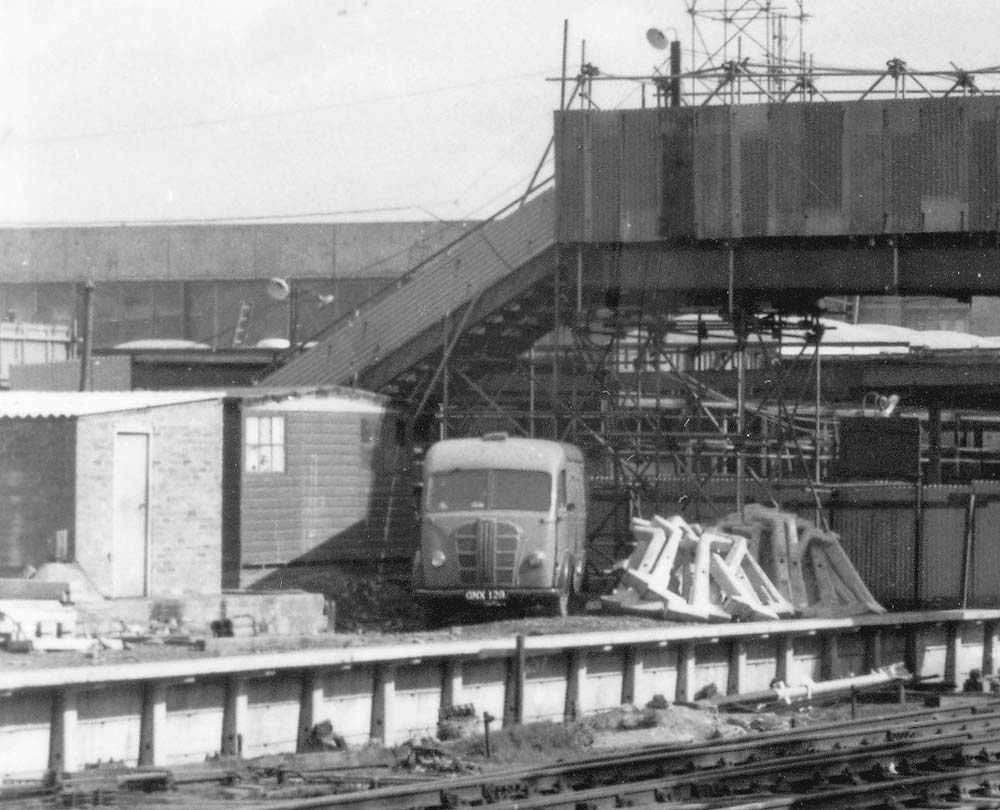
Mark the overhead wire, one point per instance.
(263, 218)
(250, 117)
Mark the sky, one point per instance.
(139, 111)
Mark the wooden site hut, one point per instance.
(314, 477)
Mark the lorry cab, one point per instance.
(503, 521)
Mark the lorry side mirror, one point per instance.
(570, 507)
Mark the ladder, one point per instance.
(240, 332)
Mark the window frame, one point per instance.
(270, 451)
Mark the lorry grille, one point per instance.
(487, 552)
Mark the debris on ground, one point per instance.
(457, 722)
(428, 757)
(322, 737)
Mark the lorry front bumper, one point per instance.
(491, 596)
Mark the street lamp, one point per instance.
(658, 39)
(281, 289)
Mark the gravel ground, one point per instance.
(156, 650)
(370, 610)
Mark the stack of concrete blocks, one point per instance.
(34, 615)
(679, 571)
(763, 565)
(808, 564)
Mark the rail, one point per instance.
(867, 750)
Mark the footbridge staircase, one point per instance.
(484, 299)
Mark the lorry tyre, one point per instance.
(417, 572)
(564, 601)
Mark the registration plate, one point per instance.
(486, 596)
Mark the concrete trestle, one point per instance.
(183, 711)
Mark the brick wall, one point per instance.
(36, 489)
(185, 496)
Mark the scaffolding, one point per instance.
(656, 394)
(754, 51)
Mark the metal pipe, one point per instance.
(819, 428)
(293, 312)
(740, 423)
(487, 719)
(88, 335)
(810, 689)
(675, 73)
(819, 424)
(970, 538)
(520, 673)
(579, 280)
(918, 535)
(562, 89)
(443, 428)
(555, 352)
(531, 391)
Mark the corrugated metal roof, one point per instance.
(62, 404)
(279, 393)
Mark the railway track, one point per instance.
(918, 756)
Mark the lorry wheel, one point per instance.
(564, 602)
(560, 606)
(417, 572)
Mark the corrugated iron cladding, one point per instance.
(640, 208)
(853, 168)
(911, 566)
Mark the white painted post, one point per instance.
(234, 716)
(383, 729)
(64, 753)
(153, 724)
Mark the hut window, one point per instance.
(265, 444)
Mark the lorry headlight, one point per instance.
(535, 559)
(437, 558)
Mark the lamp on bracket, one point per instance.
(876, 404)
(659, 39)
(288, 289)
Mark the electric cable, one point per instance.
(250, 117)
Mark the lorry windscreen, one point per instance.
(462, 490)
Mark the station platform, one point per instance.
(390, 689)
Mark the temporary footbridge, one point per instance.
(492, 287)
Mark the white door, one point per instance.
(131, 512)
